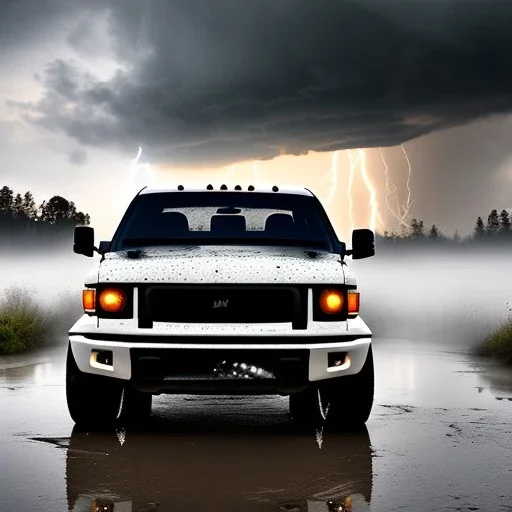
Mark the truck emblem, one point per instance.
(220, 303)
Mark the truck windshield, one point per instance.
(224, 218)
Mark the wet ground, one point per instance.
(439, 438)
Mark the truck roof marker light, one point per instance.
(181, 187)
(209, 187)
(238, 187)
(250, 188)
(223, 187)
(331, 302)
(275, 189)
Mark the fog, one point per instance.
(440, 297)
(448, 298)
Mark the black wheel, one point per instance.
(98, 402)
(344, 402)
(136, 407)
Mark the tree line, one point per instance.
(498, 228)
(22, 220)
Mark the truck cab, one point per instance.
(208, 291)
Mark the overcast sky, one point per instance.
(207, 83)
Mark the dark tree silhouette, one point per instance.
(55, 209)
(493, 223)
(417, 229)
(29, 206)
(504, 222)
(479, 231)
(22, 223)
(17, 207)
(434, 233)
(6, 201)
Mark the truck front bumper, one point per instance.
(159, 364)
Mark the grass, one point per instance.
(26, 325)
(498, 344)
(23, 322)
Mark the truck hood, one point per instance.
(222, 264)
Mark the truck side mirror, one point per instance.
(83, 242)
(104, 247)
(363, 244)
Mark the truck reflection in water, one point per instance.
(274, 468)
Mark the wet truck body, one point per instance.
(222, 291)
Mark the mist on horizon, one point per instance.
(438, 297)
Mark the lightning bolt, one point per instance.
(374, 208)
(230, 172)
(352, 168)
(402, 211)
(355, 161)
(146, 168)
(333, 175)
(136, 160)
(408, 184)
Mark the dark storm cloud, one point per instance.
(214, 82)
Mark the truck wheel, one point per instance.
(96, 402)
(136, 406)
(343, 402)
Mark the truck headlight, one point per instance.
(112, 300)
(331, 302)
(334, 303)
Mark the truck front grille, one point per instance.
(223, 304)
(205, 364)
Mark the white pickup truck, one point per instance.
(242, 291)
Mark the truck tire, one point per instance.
(97, 402)
(343, 402)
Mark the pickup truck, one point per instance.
(219, 291)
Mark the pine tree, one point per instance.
(6, 201)
(505, 224)
(417, 229)
(456, 238)
(479, 230)
(18, 206)
(493, 223)
(434, 233)
(40, 210)
(29, 206)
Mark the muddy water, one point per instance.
(439, 438)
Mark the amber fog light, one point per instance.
(112, 300)
(331, 302)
